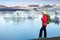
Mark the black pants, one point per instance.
(42, 29)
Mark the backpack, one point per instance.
(48, 19)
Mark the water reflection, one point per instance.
(17, 20)
(55, 20)
(29, 18)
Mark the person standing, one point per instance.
(44, 24)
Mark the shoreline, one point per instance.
(52, 38)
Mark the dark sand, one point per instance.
(53, 38)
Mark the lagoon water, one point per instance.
(25, 29)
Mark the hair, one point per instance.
(44, 12)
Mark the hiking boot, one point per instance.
(40, 38)
(45, 38)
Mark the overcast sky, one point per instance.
(27, 2)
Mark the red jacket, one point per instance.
(44, 20)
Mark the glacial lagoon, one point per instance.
(25, 28)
